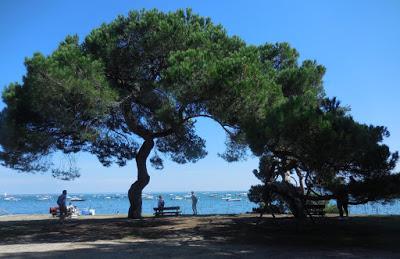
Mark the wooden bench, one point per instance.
(315, 209)
(167, 211)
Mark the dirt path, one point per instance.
(198, 237)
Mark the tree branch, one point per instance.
(132, 122)
(231, 134)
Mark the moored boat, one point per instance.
(233, 199)
(77, 199)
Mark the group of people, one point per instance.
(64, 210)
(194, 198)
(342, 201)
(62, 204)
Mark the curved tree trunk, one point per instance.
(135, 192)
(291, 197)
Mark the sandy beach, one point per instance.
(239, 236)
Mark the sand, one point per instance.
(238, 236)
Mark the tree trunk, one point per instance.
(296, 206)
(291, 197)
(143, 178)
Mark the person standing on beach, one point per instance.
(62, 204)
(342, 198)
(194, 203)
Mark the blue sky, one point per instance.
(357, 41)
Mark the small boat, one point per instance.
(77, 199)
(234, 199)
(187, 196)
(177, 198)
(225, 198)
(147, 197)
(10, 198)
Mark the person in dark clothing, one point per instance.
(342, 203)
(62, 204)
(342, 198)
(161, 202)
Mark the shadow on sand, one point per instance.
(207, 236)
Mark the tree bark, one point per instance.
(143, 178)
(291, 197)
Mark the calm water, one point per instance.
(230, 202)
(113, 203)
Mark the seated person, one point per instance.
(160, 202)
(72, 210)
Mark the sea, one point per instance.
(223, 202)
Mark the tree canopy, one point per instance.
(147, 75)
(318, 153)
(136, 83)
(136, 86)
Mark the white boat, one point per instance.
(225, 198)
(234, 199)
(187, 196)
(10, 198)
(147, 197)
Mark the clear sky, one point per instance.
(357, 41)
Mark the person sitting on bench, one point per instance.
(160, 202)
